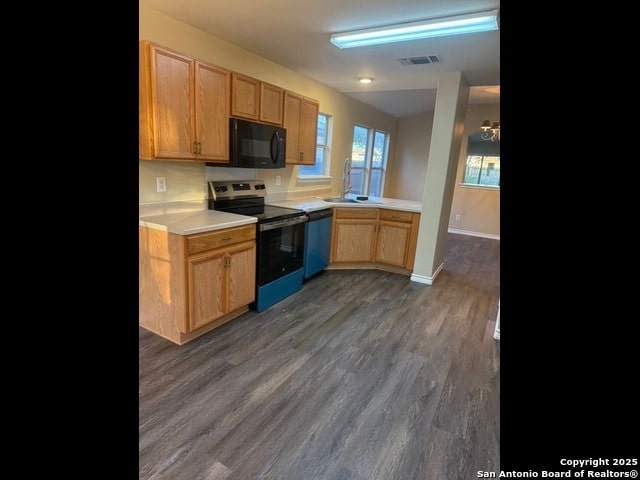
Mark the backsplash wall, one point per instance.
(187, 181)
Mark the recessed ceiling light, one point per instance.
(365, 80)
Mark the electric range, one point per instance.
(280, 236)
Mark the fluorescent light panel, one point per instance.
(438, 27)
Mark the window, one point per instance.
(369, 154)
(482, 168)
(322, 151)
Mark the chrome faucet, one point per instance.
(346, 177)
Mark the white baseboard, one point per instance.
(425, 279)
(474, 234)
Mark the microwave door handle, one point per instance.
(275, 141)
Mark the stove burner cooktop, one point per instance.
(272, 212)
(247, 198)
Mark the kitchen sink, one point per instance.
(339, 200)
(349, 200)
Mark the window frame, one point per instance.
(482, 162)
(368, 168)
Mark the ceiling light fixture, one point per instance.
(365, 80)
(490, 132)
(436, 27)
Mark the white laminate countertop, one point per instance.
(186, 218)
(310, 204)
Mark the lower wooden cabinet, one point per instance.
(374, 238)
(220, 281)
(194, 283)
(394, 241)
(354, 234)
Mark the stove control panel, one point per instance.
(230, 189)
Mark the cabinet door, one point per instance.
(308, 132)
(241, 273)
(292, 120)
(353, 240)
(172, 90)
(207, 288)
(245, 96)
(392, 243)
(212, 87)
(271, 103)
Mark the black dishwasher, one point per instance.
(317, 241)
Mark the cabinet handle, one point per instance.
(227, 261)
(301, 156)
(226, 239)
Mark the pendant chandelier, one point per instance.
(490, 132)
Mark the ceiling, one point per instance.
(296, 33)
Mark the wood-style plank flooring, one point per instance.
(361, 375)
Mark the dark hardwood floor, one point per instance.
(361, 375)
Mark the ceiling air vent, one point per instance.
(420, 60)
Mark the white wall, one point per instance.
(406, 176)
(479, 208)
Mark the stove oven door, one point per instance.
(280, 248)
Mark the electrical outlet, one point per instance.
(278, 179)
(458, 217)
(161, 184)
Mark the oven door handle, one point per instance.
(263, 227)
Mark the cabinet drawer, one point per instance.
(366, 213)
(202, 242)
(396, 215)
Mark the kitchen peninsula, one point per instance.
(379, 232)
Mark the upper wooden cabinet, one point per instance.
(301, 122)
(256, 100)
(185, 104)
(271, 103)
(245, 97)
(183, 107)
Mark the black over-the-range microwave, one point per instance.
(256, 145)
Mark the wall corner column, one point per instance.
(444, 150)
